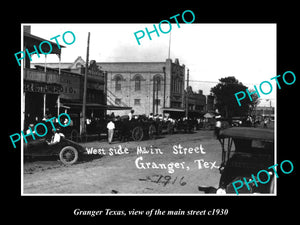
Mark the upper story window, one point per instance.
(177, 85)
(118, 101)
(118, 80)
(137, 101)
(137, 83)
(157, 83)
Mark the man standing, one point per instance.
(110, 127)
(130, 115)
(218, 126)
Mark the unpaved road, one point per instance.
(127, 173)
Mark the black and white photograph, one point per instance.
(152, 114)
(188, 110)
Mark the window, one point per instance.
(117, 101)
(137, 83)
(177, 85)
(118, 83)
(137, 101)
(180, 86)
(175, 104)
(78, 65)
(157, 83)
(157, 101)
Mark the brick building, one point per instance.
(147, 87)
(196, 101)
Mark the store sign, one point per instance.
(42, 87)
(70, 86)
(67, 89)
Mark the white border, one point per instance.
(145, 195)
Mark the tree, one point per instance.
(225, 99)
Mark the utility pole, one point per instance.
(153, 103)
(83, 127)
(156, 100)
(164, 102)
(105, 91)
(187, 96)
(270, 109)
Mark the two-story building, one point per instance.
(41, 88)
(50, 90)
(196, 101)
(147, 87)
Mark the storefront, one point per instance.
(40, 100)
(41, 89)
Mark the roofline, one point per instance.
(41, 39)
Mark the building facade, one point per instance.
(41, 89)
(210, 103)
(196, 101)
(147, 87)
(52, 88)
(262, 112)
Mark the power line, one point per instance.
(215, 82)
(203, 81)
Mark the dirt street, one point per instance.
(173, 164)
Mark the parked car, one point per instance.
(66, 150)
(253, 151)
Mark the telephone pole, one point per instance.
(187, 95)
(153, 93)
(164, 100)
(83, 127)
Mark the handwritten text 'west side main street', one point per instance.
(140, 163)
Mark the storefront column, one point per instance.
(45, 66)
(23, 111)
(59, 59)
(44, 108)
(58, 105)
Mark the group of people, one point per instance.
(52, 137)
(124, 125)
(112, 119)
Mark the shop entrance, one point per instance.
(34, 103)
(34, 107)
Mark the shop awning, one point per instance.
(114, 107)
(98, 106)
(32, 40)
(173, 109)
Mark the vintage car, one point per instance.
(137, 129)
(253, 151)
(67, 150)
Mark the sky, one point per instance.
(209, 51)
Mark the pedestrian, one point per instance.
(218, 126)
(130, 115)
(265, 123)
(110, 127)
(150, 116)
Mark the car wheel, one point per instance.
(170, 128)
(68, 155)
(137, 133)
(151, 131)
